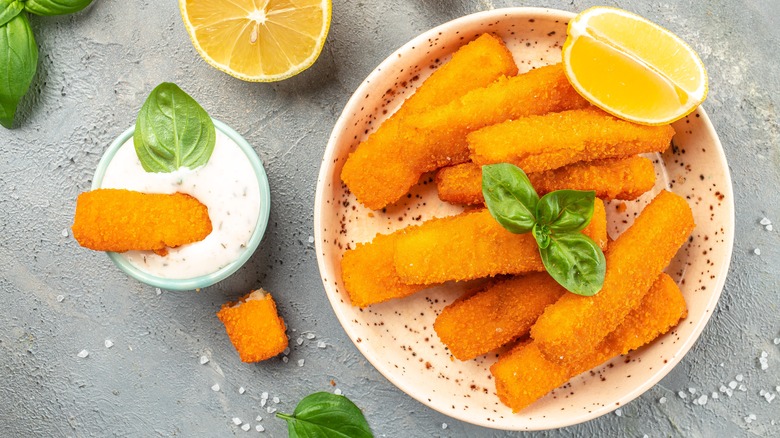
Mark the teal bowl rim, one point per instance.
(227, 270)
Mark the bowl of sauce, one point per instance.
(232, 184)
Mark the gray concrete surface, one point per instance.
(95, 70)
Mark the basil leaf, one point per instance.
(173, 131)
(509, 196)
(566, 210)
(55, 7)
(18, 62)
(9, 9)
(326, 415)
(541, 233)
(575, 262)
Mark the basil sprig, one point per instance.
(55, 7)
(172, 131)
(571, 258)
(18, 62)
(10, 9)
(327, 415)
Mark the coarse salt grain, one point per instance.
(757, 251)
(692, 390)
(270, 409)
(765, 221)
(299, 341)
(276, 400)
(619, 412)
(241, 390)
(310, 336)
(108, 343)
(215, 387)
(777, 388)
(682, 394)
(263, 401)
(246, 427)
(285, 359)
(311, 239)
(739, 377)
(264, 395)
(662, 400)
(444, 425)
(742, 388)
(65, 232)
(204, 360)
(769, 227)
(337, 391)
(764, 354)
(733, 385)
(260, 428)
(83, 353)
(321, 344)
(60, 298)
(258, 418)
(300, 362)
(158, 291)
(702, 400)
(715, 396)
(769, 397)
(236, 421)
(286, 351)
(775, 341)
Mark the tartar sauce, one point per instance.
(227, 185)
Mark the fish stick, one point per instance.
(437, 138)
(524, 374)
(620, 178)
(549, 141)
(123, 220)
(376, 160)
(254, 326)
(572, 327)
(495, 316)
(369, 273)
(473, 245)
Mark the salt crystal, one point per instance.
(108, 343)
(777, 388)
(748, 419)
(310, 336)
(300, 362)
(65, 232)
(60, 298)
(158, 291)
(246, 427)
(682, 394)
(739, 377)
(260, 428)
(733, 385)
(761, 393)
(775, 341)
(702, 400)
(311, 239)
(258, 418)
(721, 365)
(241, 390)
(662, 400)
(270, 409)
(299, 341)
(204, 360)
(619, 412)
(321, 344)
(757, 251)
(692, 390)
(263, 401)
(769, 227)
(444, 425)
(215, 387)
(769, 397)
(337, 391)
(236, 421)
(645, 436)
(742, 388)
(715, 395)
(764, 366)
(763, 354)
(286, 351)
(765, 221)
(83, 353)
(276, 400)
(285, 359)
(264, 396)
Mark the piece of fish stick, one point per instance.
(524, 375)
(495, 316)
(473, 245)
(549, 141)
(375, 168)
(620, 178)
(123, 220)
(254, 326)
(369, 273)
(572, 327)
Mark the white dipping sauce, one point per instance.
(227, 185)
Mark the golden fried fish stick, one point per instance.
(254, 326)
(369, 273)
(524, 374)
(495, 316)
(620, 178)
(123, 220)
(473, 245)
(378, 161)
(549, 141)
(572, 327)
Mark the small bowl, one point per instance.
(227, 270)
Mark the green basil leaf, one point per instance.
(9, 9)
(566, 210)
(172, 131)
(18, 62)
(575, 262)
(326, 415)
(541, 233)
(55, 7)
(509, 196)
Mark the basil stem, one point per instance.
(576, 262)
(172, 131)
(566, 210)
(55, 7)
(323, 414)
(19, 60)
(509, 196)
(9, 9)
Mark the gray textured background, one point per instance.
(95, 70)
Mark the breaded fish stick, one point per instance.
(123, 220)
(620, 178)
(254, 326)
(437, 138)
(495, 316)
(378, 159)
(549, 141)
(473, 245)
(369, 273)
(524, 375)
(572, 327)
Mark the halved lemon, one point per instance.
(632, 68)
(258, 40)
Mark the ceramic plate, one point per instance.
(397, 337)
